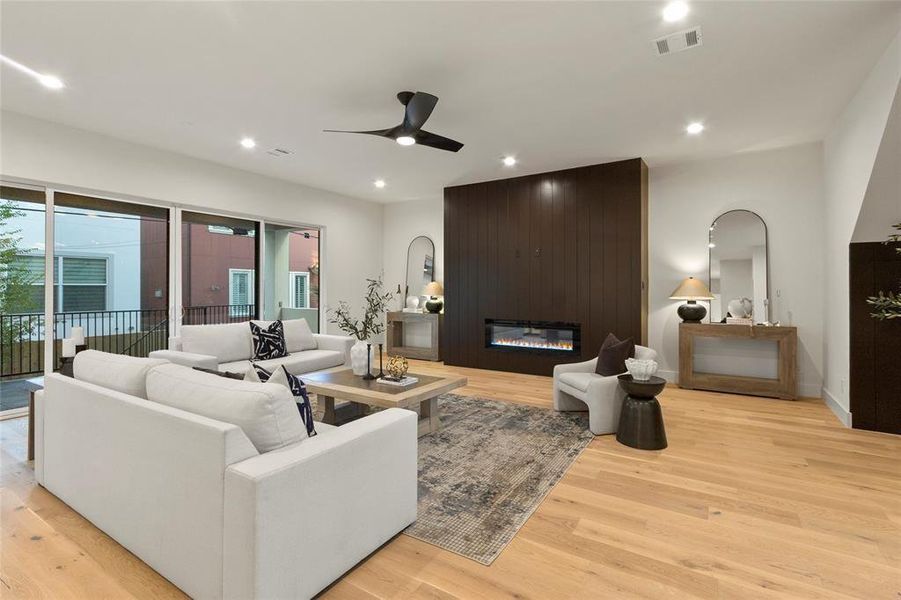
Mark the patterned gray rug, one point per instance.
(487, 470)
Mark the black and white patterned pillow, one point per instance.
(298, 390)
(268, 342)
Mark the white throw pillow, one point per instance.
(266, 412)
(126, 374)
(298, 335)
(229, 342)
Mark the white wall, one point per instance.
(39, 150)
(403, 222)
(881, 206)
(848, 158)
(785, 188)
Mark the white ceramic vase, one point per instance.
(358, 358)
(641, 370)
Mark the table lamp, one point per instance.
(433, 290)
(691, 289)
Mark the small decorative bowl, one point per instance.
(641, 370)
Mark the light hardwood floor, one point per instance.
(754, 498)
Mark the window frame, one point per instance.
(59, 284)
(292, 290)
(251, 289)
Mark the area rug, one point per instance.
(488, 469)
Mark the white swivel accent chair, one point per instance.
(577, 387)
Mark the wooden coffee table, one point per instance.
(344, 385)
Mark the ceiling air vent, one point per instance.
(278, 152)
(677, 42)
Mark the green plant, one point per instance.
(15, 279)
(372, 322)
(887, 305)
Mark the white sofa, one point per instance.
(193, 498)
(229, 347)
(578, 387)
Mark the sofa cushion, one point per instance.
(266, 412)
(126, 374)
(298, 335)
(578, 381)
(228, 342)
(239, 366)
(269, 341)
(307, 361)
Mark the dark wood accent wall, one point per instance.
(875, 390)
(567, 246)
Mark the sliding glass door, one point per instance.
(218, 270)
(291, 274)
(111, 270)
(22, 326)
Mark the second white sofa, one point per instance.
(229, 347)
(197, 499)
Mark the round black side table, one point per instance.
(641, 420)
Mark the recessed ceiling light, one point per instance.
(248, 143)
(694, 128)
(509, 161)
(711, 245)
(405, 140)
(49, 81)
(379, 183)
(675, 11)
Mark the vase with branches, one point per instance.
(887, 305)
(371, 324)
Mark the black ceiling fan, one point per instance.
(417, 108)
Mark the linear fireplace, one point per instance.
(546, 337)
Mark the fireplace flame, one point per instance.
(536, 344)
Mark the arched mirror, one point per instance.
(420, 267)
(739, 278)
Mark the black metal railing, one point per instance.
(222, 313)
(131, 332)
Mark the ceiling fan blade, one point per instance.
(418, 110)
(382, 132)
(437, 141)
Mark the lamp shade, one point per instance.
(433, 289)
(691, 289)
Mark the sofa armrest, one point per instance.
(341, 343)
(587, 366)
(187, 359)
(297, 518)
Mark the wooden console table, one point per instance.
(784, 386)
(398, 320)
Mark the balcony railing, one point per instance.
(131, 332)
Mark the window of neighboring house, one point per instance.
(240, 291)
(81, 284)
(299, 286)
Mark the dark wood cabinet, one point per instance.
(875, 391)
(567, 246)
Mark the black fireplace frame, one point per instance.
(575, 328)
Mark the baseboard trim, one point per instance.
(844, 416)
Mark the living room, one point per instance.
(612, 312)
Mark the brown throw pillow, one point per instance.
(613, 355)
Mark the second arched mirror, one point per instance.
(739, 273)
(420, 266)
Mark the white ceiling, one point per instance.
(556, 84)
